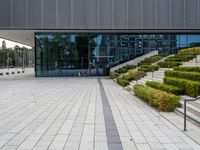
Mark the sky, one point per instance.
(11, 44)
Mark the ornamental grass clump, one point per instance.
(114, 75)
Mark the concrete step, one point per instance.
(155, 79)
(146, 78)
(192, 117)
(156, 73)
(158, 76)
(164, 69)
(197, 103)
(142, 82)
(132, 83)
(192, 107)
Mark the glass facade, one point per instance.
(92, 54)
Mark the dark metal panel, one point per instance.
(5, 13)
(49, 13)
(149, 14)
(177, 14)
(134, 14)
(120, 14)
(78, 14)
(91, 13)
(191, 13)
(105, 14)
(64, 13)
(163, 14)
(19, 13)
(34, 13)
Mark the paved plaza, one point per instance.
(81, 114)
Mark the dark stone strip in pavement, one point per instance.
(114, 142)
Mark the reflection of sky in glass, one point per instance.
(98, 42)
(72, 38)
(184, 40)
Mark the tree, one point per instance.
(4, 45)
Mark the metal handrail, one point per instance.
(187, 99)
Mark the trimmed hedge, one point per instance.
(165, 87)
(123, 82)
(114, 75)
(129, 67)
(173, 59)
(187, 69)
(150, 60)
(163, 54)
(191, 88)
(148, 68)
(195, 76)
(189, 51)
(125, 69)
(168, 64)
(121, 70)
(162, 100)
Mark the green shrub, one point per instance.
(153, 59)
(165, 87)
(150, 60)
(163, 54)
(144, 63)
(187, 69)
(129, 67)
(125, 69)
(132, 71)
(162, 100)
(173, 59)
(168, 64)
(148, 68)
(121, 70)
(128, 77)
(114, 75)
(191, 88)
(138, 75)
(190, 51)
(180, 58)
(123, 82)
(195, 76)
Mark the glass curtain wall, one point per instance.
(91, 54)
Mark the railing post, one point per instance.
(185, 115)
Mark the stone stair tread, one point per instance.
(141, 82)
(154, 78)
(192, 107)
(156, 73)
(198, 102)
(190, 115)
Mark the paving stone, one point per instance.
(72, 114)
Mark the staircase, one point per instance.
(156, 76)
(193, 111)
(193, 108)
(193, 63)
(135, 60)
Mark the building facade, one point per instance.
(88, 36)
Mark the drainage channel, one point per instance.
(113, 139)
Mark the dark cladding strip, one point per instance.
(113, 139)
